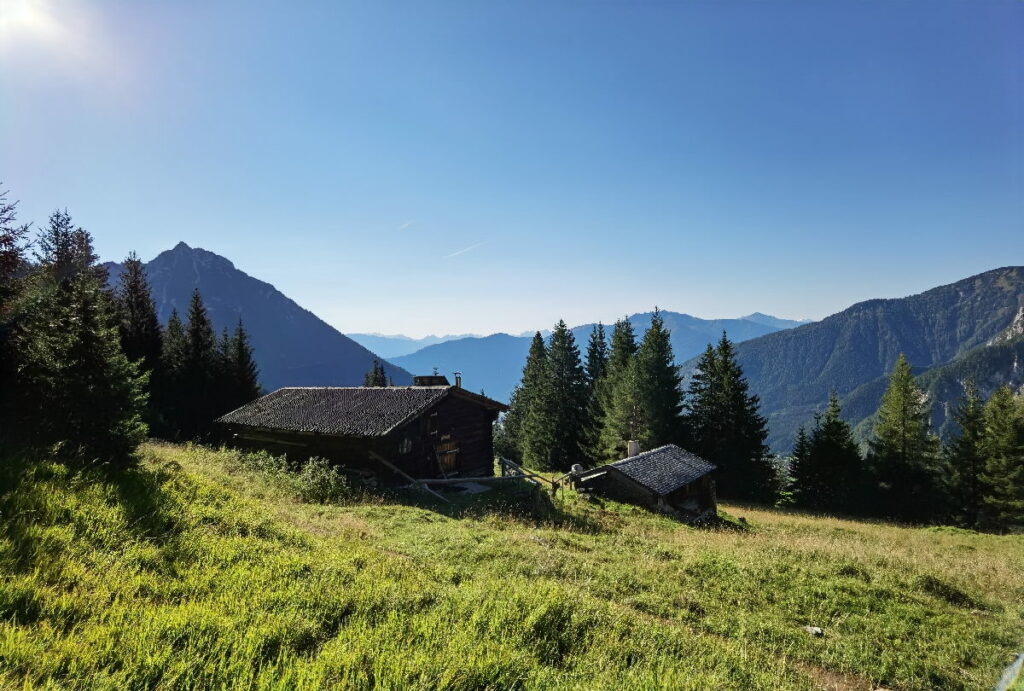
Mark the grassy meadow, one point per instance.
(203, 569)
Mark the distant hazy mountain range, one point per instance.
(293, 346)
(494, 363)
(396, 345)
(969, 329)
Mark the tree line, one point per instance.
(975, 479)
(86, 371)
(570, 410)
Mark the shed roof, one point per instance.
(357, 411)
(665, 469)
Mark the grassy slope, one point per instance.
(196, 571)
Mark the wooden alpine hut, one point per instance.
(668, 479)
(428, 430)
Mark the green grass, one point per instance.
(205, 569)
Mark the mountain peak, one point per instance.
(181, 247)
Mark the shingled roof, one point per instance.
(665, 469)
(362, 411)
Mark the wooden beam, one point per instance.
(410, 478)
(460, 480)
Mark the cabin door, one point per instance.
(447, 452)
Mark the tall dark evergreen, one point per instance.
(597, 379)
(617, 393)
(827, 468)
(597, 356)
(376, 376)
(964, 458)
(245, 375)
(199, 400)
(660, 393)
(725, 426)
(530, 404)
(903, 451)
(82, 397)
(1002, 445)
(646, 401)
(13, 262)
(141, 337)
(565, 408)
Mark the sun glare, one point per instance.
(27, 20)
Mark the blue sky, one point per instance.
(441, 167)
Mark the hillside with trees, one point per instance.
(794, 370)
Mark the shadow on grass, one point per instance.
(516, 499)
(30, 506)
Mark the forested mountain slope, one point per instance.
(852, 351)
(293, 347)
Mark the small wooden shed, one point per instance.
(668, 479)
(427, 431)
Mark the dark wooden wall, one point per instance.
(453, 422)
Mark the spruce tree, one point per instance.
(725, 426)
(199, 371)
(13, 262)
(171, 396)
(532, 407)
(616, 396)
(597, 376)
(903, 450)
(1002, 445)
(597, 356)
(963, 457)
(829, 470)
(660, 394)
(567, 412)
(141, 338)
(245, 374)
(81, 395)
(376, 376)
(13, 251)
(509, 439)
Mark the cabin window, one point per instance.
(432, 424)
(405, 446)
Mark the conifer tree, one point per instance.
(13, 251)
(566, 413)
(616, 396)
(376, 376)
(903, 451)
(245, 374)
(1002, 445)
(801, 452)
(963, 457)
(82, 396)
(199, 371)
(597, 376)
(532, 402)
(725, 426)
(139, 328)
(597, 356)
(659, 382)
(827, 471)
(171, 399)
(509, 438)
(65, 252)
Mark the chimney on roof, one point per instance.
(632, 448)
(458, 380)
